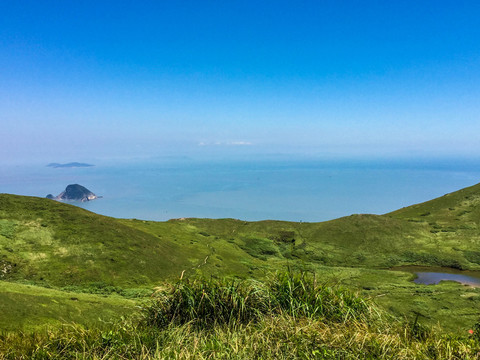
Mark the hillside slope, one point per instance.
(56, 244)
(451, 225)
(60, 244)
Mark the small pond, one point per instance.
(433, 275)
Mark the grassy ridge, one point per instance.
(57, 244)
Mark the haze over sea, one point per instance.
(277, 188)
(240, 81)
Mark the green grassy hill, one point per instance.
(450, 227)
(48, 242)
(55, 245)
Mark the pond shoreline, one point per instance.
(433, 275)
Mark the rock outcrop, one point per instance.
(75, 192)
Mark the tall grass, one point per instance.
(279, 337)
(300, 295)
(291, 316)
(210, 302)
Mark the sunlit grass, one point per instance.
(290, 316)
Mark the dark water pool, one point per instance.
(432, 275)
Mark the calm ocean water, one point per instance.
(285, 190)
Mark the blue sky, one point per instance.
(111, 79)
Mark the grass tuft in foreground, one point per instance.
(206, 303)
(209, 302)
(298, 294)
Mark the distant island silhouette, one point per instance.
(74, 192)
(69, 165)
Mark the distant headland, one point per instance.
(75, 192)
(69, 165)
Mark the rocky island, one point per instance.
(69, 165)
(75, 192)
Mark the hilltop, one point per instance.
(38, 234)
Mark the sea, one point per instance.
(307, 190)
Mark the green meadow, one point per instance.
(74, 284)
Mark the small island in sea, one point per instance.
(74, 192)
(69, 165)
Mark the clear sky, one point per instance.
(100, 79)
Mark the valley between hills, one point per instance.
(60, 264)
